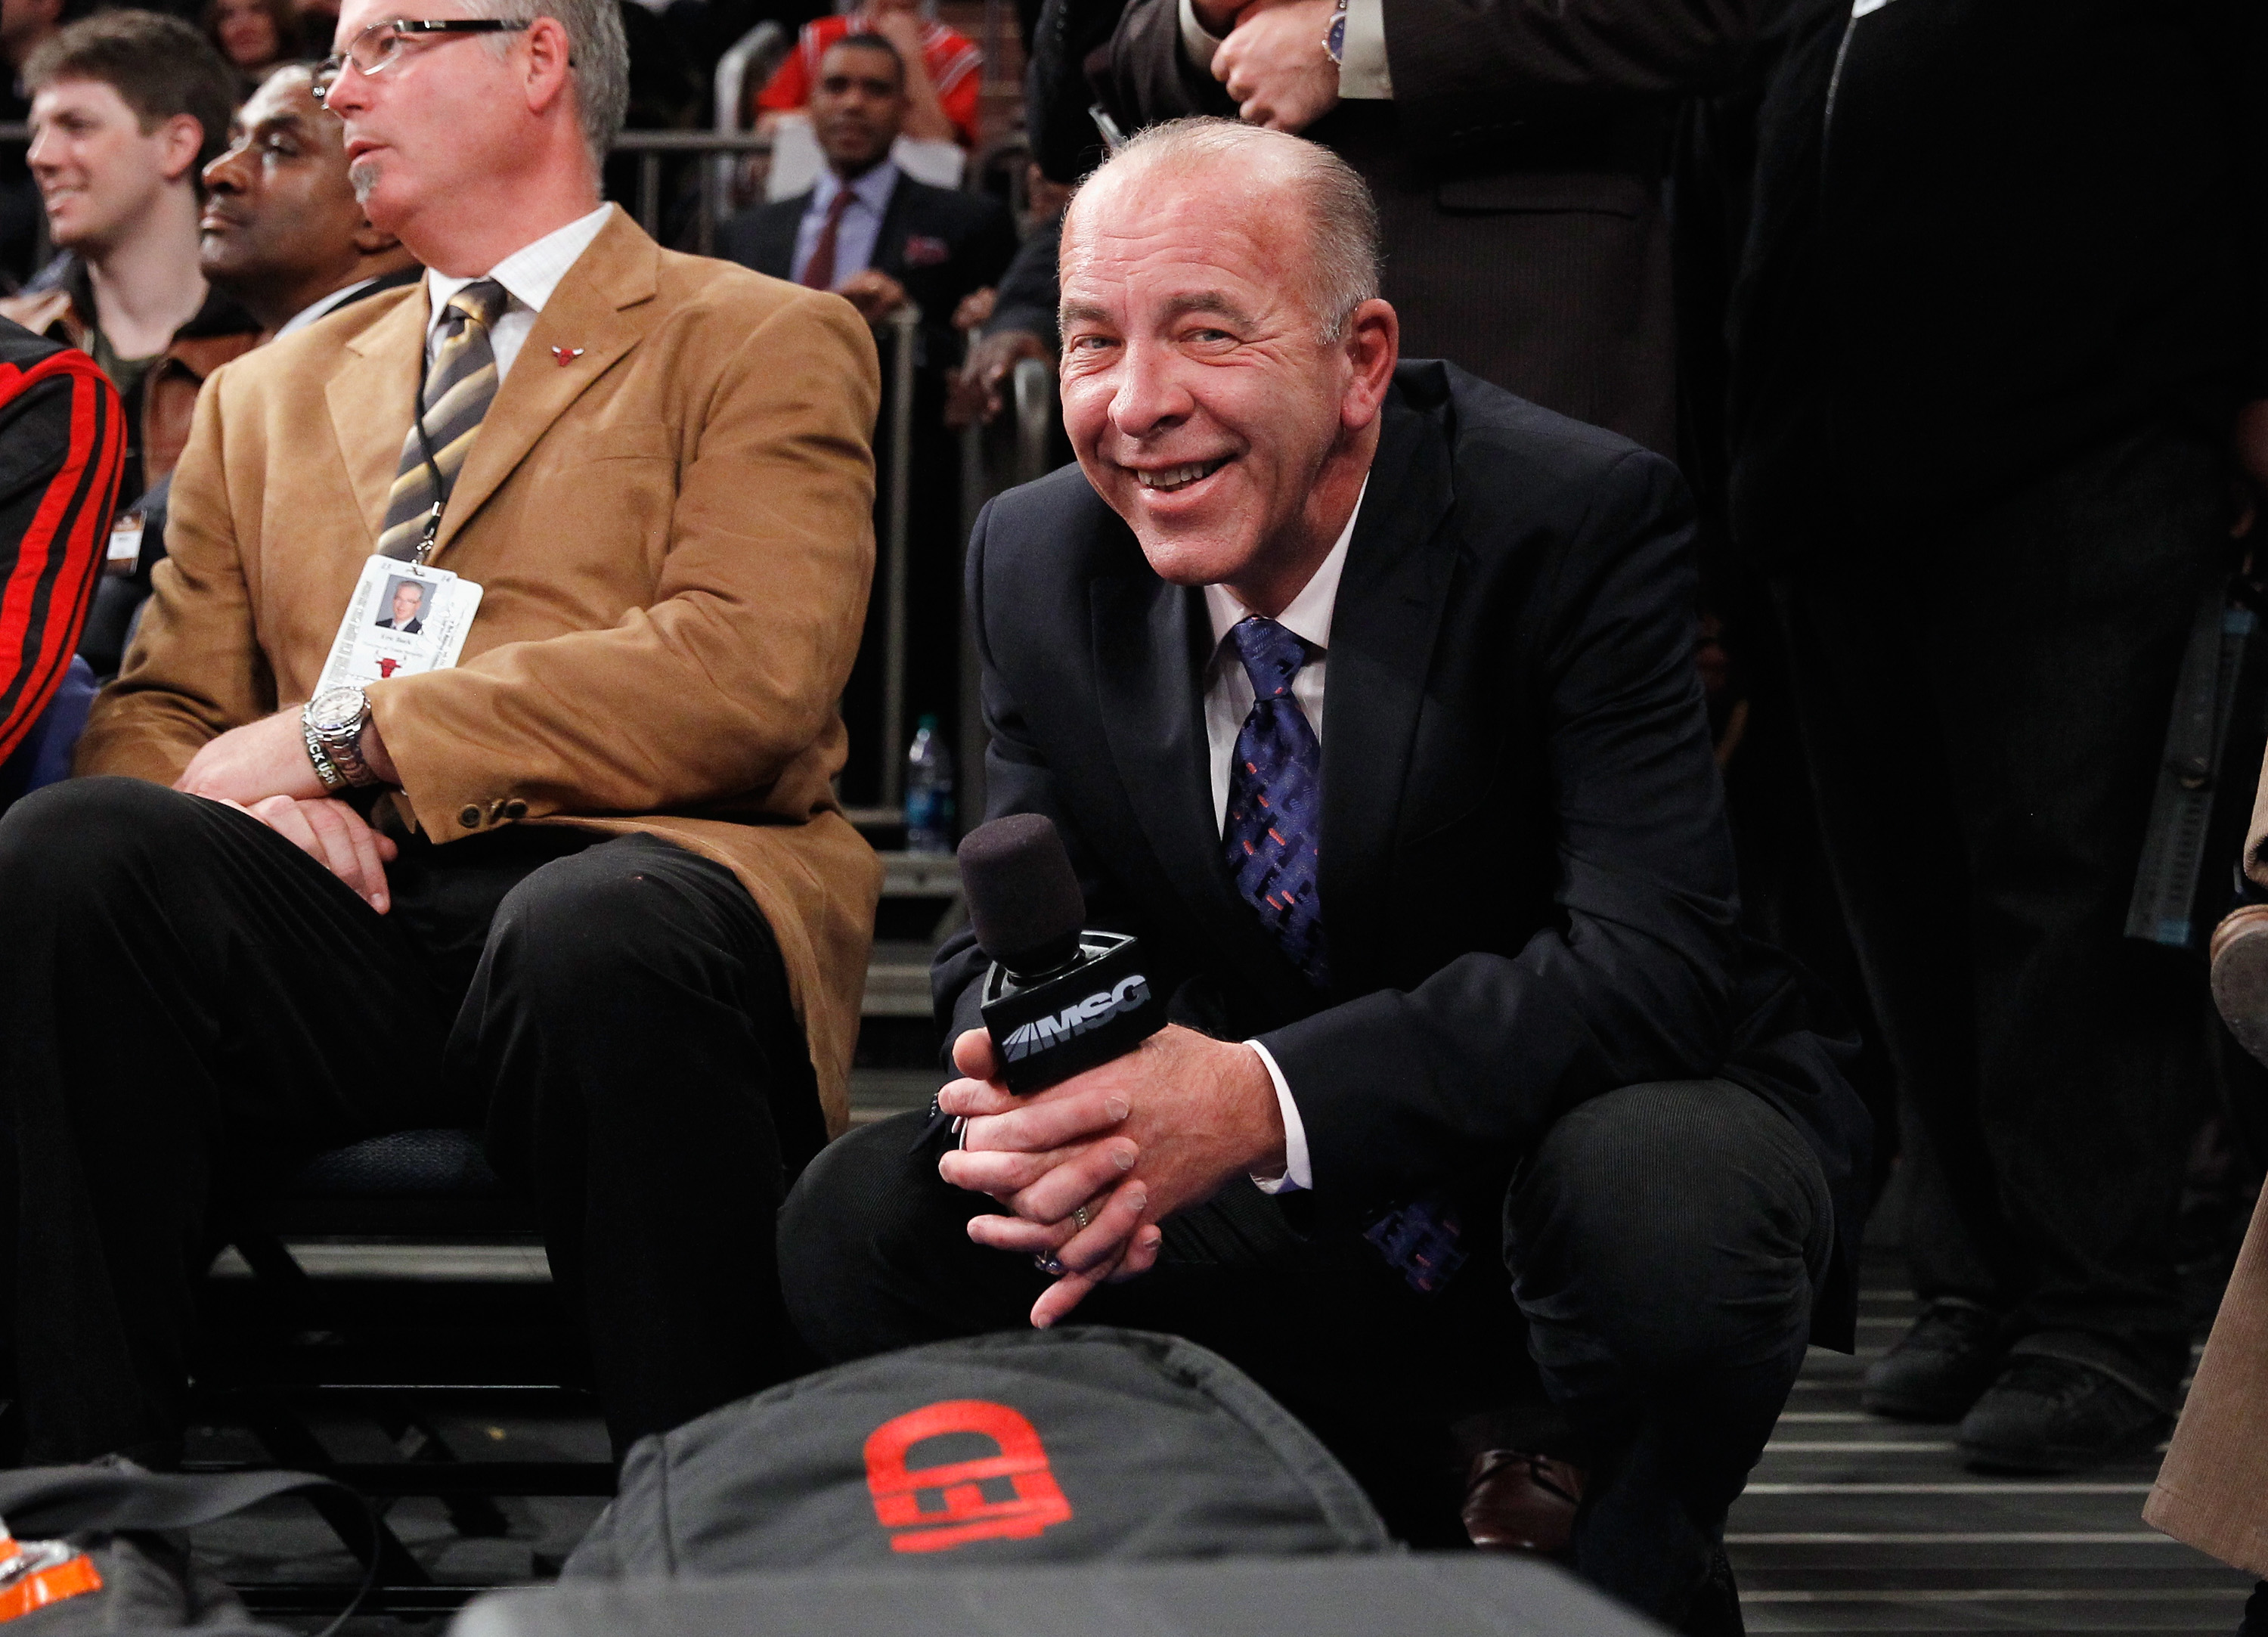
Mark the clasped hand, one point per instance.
(1163, 1128)
(262, 769)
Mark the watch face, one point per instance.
(336, 709)
(1335, 42)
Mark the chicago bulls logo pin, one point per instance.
(1009, 1496)
(566, 355)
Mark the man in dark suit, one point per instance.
(865, 230)
(1449, 945)
(882, 239)
(1516, 149)
(408, 598)
(1985, 366)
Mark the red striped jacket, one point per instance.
(62, 445)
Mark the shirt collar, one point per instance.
(1307, 616)
(529, 274)
(872, 190)
(321, 307)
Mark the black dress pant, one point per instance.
(1660, 1247)
(190, 1007)
(1984, 705)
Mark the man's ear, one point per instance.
(1373, 347)
(549, 51)
(180, 140)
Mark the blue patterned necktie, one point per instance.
(1274, 833)
(1272, 841)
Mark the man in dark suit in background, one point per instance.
(2004, 294)
(882, 239)
(865, 230)
(1448, 946)
(1516, 149)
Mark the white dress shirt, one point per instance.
(528, 275)
(321, 307)
(1227, 702)
(861, 227)
(1363, 73)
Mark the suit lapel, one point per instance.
(603, 307)
(890, 238)
(1149, 639)
(1390, 602)
(776, 226)
(377, 375)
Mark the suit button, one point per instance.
(470, 818)
(515, 809)
(496, 810)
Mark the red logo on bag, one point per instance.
(964, 1513)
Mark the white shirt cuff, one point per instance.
(1363, 75)
(1198, 46)
(1298, 1174)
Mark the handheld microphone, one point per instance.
(1059, 999)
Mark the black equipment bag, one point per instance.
(1443, 1594)
(1080, 1445)
(128, 1523)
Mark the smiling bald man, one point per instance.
(1362, 694)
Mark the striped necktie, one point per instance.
(460, 385)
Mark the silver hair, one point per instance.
(1346, 255)
(597, 50)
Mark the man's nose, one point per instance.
(1150, 393)
(348, 93)
(226, 174)
(45, 154)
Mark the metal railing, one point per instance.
(903, 329)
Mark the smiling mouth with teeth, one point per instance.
(1168, 479)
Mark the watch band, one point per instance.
(334, 781)
(338, 747)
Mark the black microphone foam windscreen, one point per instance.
(1024, 900)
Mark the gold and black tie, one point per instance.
(460, 385)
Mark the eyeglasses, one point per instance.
(378, 48)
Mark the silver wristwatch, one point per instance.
(333, 721)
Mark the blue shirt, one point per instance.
(862, 220)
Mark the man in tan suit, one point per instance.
(589, 887)
(2210, 1492)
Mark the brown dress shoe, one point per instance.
(1520, 1502)
(2240, 976)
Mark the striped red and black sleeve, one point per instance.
(63, 445)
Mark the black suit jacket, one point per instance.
(1527, 883)
(939, 243)
(1518, 173)
(1984, 241)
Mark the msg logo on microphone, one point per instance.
(1076, 1019)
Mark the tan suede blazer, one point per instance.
(2212, 1489)
(672, 517)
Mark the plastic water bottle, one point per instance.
(929, 790)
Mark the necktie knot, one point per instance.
(481, 302)
(1272, 655)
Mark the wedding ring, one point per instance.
(1049, 1265)
(1079, 1214)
